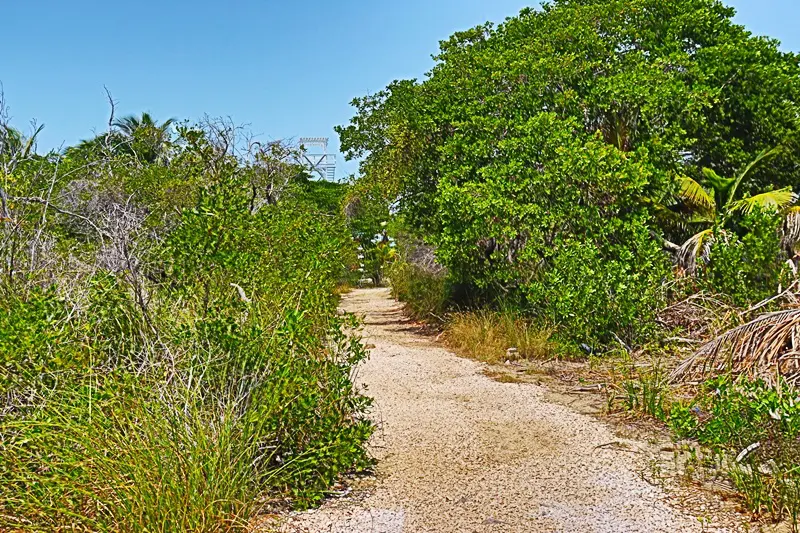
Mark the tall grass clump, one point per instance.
(497, 336)
(171, 356)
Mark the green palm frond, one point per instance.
(166, 124)
(704, 218)
(127, 125)
(14, 144)
(667, 215)
(760, 157)
(695, 195)
(131, 124)
(29, 144)
(147, 119)
(774, 200)
(718, 184)
(10, 140)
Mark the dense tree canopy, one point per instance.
(534, 153)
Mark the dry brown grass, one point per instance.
(488, 335)
(342, 288)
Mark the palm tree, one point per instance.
(131, 124)
(149, 140)
(14, 144)
(717, 204)
(14, 148)
(110, 143)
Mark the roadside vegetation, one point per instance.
(171, 357)
(617, 181)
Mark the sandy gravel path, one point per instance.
(459, 452)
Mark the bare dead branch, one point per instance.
(42, 201)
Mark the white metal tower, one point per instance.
(317, 157)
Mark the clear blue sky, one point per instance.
(288, 69)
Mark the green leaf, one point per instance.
(767, 200)
(695, 195)
(760, 157)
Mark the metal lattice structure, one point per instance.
(316, 156)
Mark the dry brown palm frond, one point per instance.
(697, 247)
(765, 348)
(698, 317)
(791, 229)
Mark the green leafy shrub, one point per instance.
(747, 268)
(758, 423)
(174, 362)
(737, 414)
(566, 230)
(43, 339)
(35, 338)
(537, 153)
(426, 294)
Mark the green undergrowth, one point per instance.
(749, 430)
(425, 294)
(755, 426)
(174, 360)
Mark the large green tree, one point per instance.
(509, 155)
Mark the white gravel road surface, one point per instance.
(460, 452)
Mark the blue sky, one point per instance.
(287, 69)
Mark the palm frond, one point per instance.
(775, 200)
(791, 229)
(704, 218)
(763, 155)
(31, 142)
(697, 247)
(10, 140)
(13, 143)
(667, 217)
(695, 195)
(719, 184)
(127, 124)
(765, 348)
